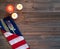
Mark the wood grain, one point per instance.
(39, 22)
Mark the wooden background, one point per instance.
(39, 24)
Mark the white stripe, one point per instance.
(25, 46)
(7, 34)
(16, 40)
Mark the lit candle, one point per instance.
(14, 15)
(19, 6)
(10, 8)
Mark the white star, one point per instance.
(0, 26)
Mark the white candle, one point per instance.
(14, 15)
(19, 6)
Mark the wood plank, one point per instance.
(40, 24)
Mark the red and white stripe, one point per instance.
(17, 42)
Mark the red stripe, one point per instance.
(11, 37)
(28, 48)
(19, 44)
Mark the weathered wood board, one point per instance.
(40, 24)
